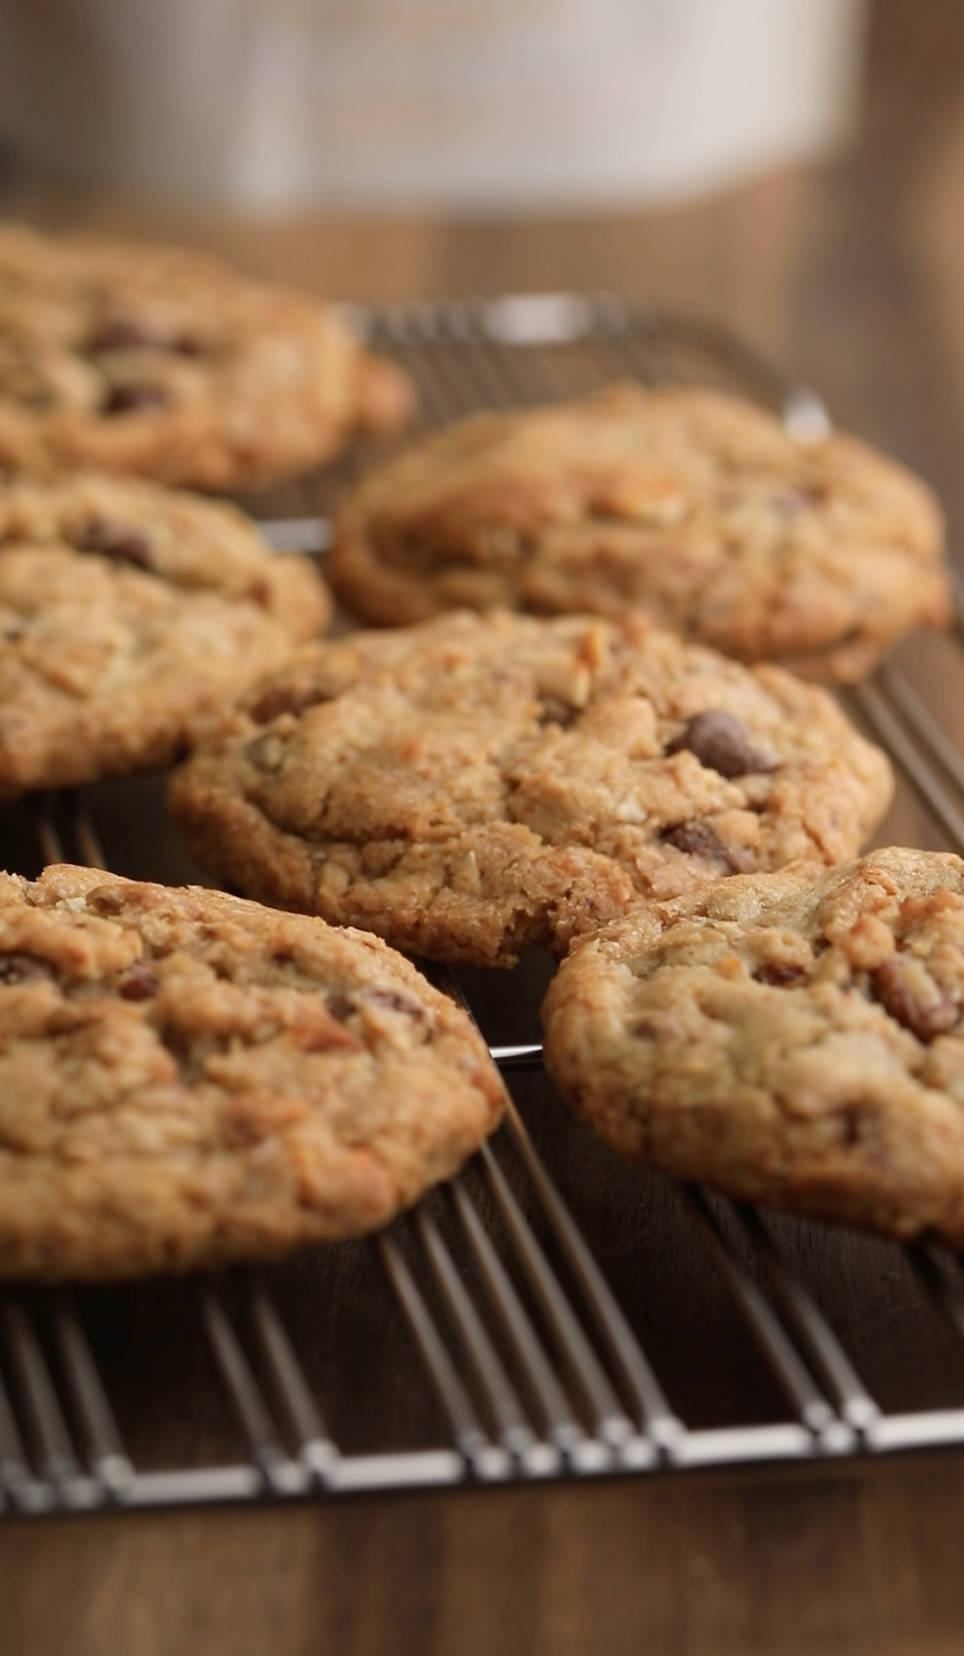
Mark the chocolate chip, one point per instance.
(133, 397)
(281, 698)
(645, 1031)
(900, 997)
(113, 540)
(106, 900)
(340, 1007)
(698, 838)
(850, 1126)
(394, 1003)
(778, 973)
(260, 592)
(723, 744)
(24, 968)
(123, 335)
(138, 983)
(556, 712)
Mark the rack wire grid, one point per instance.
(482, 1338)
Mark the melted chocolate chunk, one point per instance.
(698, 839)
(113, 540)
(340, 1007)
(778, 973)
(24, 968)
(925, 1019)
(134, 397)
(723, 744)
(139, 982)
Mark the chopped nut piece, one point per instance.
(907, 991)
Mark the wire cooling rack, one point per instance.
(552, 1312)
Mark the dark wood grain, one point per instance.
(841, 1561)
(852, 275)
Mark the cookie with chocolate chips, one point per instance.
(128, 614)
(792, 1039)
(166, 364)
(480, 783)
(187, 1078)
(697, 506)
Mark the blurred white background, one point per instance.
(278, 105)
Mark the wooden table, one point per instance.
(854, 276)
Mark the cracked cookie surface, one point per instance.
(169, 365)
(792, 1040)
(187, 1078)
(476, 784)
(697, 506)
(128, 613)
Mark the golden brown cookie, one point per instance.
(476, 784)
(792, 1039)
(698, 506)
(128, 613)
(187, 1078)
(168, 364)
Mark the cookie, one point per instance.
(480, 783)
(792, 1040)
(169, 365)
(695, 505)
(187, 1078)
(128, 613)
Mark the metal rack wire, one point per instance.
(528, 1364)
